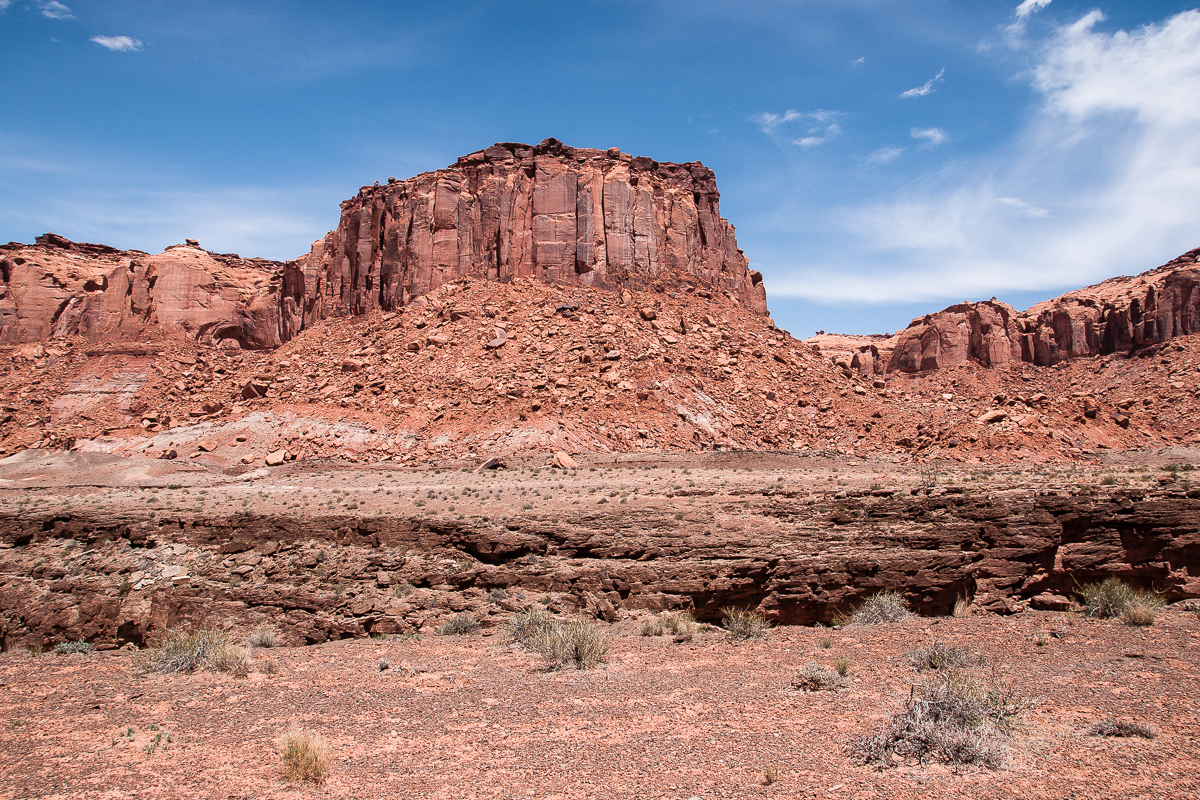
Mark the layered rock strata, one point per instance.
(1118, 315)
(57, 289)
(568, 216)
(115, 577)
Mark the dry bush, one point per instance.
(936, 656)
(571, 644)
(263, 637)
(1142, 610)
(1107, 598)
(81, 646)
(813, 677)
(305, 757)
(880, 608)
(1120, 728)
(458, 625)
(188, 651)
(962, 607)
(956, 717)
(743, 623)
(681, 623)
(528, 623)
(842, 666)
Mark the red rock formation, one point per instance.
(1118, 315)
(556, 213)
(59, 288)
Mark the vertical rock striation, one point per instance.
(555, 213)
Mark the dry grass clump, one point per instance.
(81, 646)
(954, 716)
(681, 623)
(743, 623)
(1113, 597)
(458, 625)
(1120, 728)
(937, 656)
(882, 607)
(188, 651)
(564, 644)
(813, 677)
(263, 637)
(305, 757)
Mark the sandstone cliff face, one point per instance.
(58, 288)
(555, 213)
(1118, 315)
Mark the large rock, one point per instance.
(1118, 315)
(59, 288)
(553, 213)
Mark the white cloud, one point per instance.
(822, 125)
(934, 136)
(1023, 208)
(1028, 7)
(883, 155)
(1112, 146)
(925, 88)
(118, 44)
(5, 4)
(55, 10)
(858, 62)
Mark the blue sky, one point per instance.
(879, 159)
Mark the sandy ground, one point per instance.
(474, 716)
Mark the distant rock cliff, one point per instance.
(555, 213)
(1118, 315)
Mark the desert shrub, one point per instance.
(496, 595)
(826, 642)
(188, 651)
(528, 623)
(570, 644)
(880, 608)
(962, 607)
(458, 625)
(232, 659)
(1113, 597)
(63, 648)
(305, 757)
(842, 666)
(956, 717)
(1142, 610)
(1120, 728)
(263, 637)
(813, 677)
(680, 623)
(743, 623)
(937, 656)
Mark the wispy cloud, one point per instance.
(820, 125)
(858, 62)
(5, 4)
(927, 87)
(1112, 147)
(934, 136)
(55, 10)
(1023, 208)
(883, 155)
(1028, 7)
(118, 44)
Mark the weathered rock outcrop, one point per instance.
(555, 213)
(1118, 315)
(112, 578)
(58, 288)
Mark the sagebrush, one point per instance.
(813, 677)
(743, 623)
(1112, 597)
(564, 644)
(881, 608)
(187, 651)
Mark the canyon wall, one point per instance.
(567, 216)
(1118, 315)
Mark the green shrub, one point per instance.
(743, 623)
(63, 648)
(458, 625)
(880, 608)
